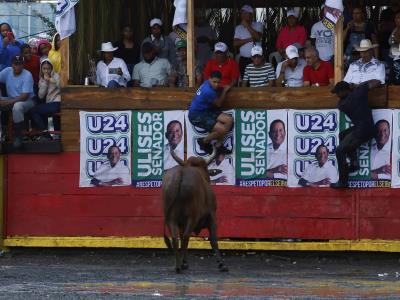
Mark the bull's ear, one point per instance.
(214, 172)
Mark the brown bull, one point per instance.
(189, 206)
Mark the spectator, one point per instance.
(128, 49)
(19, 84)
(323, 39)
(247, 34)
(356, 30)
(259, 73)
(111, 72)
(9, 46)
(164, 47)
(227, 66)
(49, 89)
(182, 79)
(152, 70)
(385, 29)
(367, 67)
(205, 38)
(292, 33)
(394, 39)
(289, 73)
(44, 48)
(395, 69)
(55, 53)
(317, 72)
(32, 64)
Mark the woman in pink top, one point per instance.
(292, 33)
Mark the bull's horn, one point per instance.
(212, 156)
(177, 159)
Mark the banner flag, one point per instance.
(333, 9)
(224, 164)
(105, 148)
(65, 18)
(313, 137)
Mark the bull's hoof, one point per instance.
(223, 268)
(185, 266)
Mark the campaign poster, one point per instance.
(396, 149)
(105, 148)
(373, 156)
(261, 147)
(223, 166)
(155, 134)
(312, 140)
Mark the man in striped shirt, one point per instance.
(259, 73)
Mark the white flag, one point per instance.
(180, 16)
(65, 17)
(333, 9)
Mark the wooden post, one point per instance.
(339, 50)
(64, 62)
(190, 43)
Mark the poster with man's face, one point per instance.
(312, 141)
(374, 156)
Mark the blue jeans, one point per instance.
(113, 85)
(41, 112)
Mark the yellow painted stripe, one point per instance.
(198, 243)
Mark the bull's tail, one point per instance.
(167, 240)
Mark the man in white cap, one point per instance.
(247, 34)
(292, 32)
(367, 67)
(226, 65)
(259, 73)
(111, 72)
(289, 73)
(165, 47)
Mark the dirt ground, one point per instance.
(149, 274)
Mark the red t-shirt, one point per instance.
(229, 69)
(287, 37)
(320, 75)
(33, 66)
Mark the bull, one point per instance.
(189, 206)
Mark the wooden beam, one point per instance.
(339, 50)
(190, 43)
(2, 194)
(64, 62)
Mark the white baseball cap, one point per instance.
(220, 46)
(291, 52)
(293, 11)
(247, 8)
(256, 50)
(155, 21)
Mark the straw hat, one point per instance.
(365, 45)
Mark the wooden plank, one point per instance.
(339, 50)
(190, 44)
(64, 62)
(384, 228)
(394, 96)
(2, 206)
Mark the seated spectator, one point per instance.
(153, 70)
(367, 67)
(317, 72)
(394, 40)
(247, 34)
(19, 84)
(385, 29)
(55, 53)
(226, 65)
(128, 49)
(259, 73)
(164, 47)
(49, 89)
(111, 72)
(395, 69)
(44, 48)
(182, 79)
(292, 32)
(32, 64)
(9, 46)
(356, 30)
(289, 73)
(323, 39)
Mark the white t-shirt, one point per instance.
(276, 158)
(242, 33)
(107, 173)
(380, 158)
(293, 78)
(227, 170)
(324, 40)
(103, 76)
(314, 173)
(169, 161)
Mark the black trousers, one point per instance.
(349, 141)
